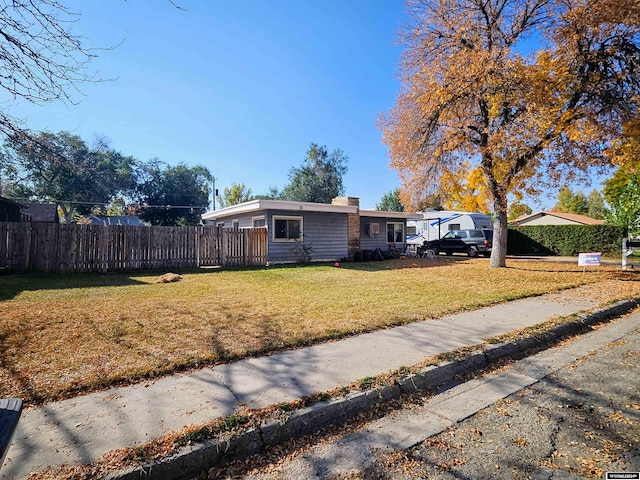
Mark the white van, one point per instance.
(433, 225)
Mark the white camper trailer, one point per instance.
(432, 225)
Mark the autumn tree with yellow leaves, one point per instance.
(531, 92)
(466, 193)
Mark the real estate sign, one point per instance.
(590, 259)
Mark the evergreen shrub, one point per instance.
(564, 240)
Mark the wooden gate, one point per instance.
(244, 247)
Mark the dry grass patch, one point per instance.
(62, 334)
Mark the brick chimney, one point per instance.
(353, 223)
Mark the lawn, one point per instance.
(63, 334)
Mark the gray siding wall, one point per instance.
(244, 221)
(371, 242)
(325, 232)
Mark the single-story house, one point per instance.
(42, 212)
(10, 211)
(554, 218)
(332, 231)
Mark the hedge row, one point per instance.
(565, 239)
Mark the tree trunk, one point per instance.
(499, 250)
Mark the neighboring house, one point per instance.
(10, 211)
(42, 212)
(129, 220)
(554, 218)
(333, 231)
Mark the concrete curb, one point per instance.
(193, 460)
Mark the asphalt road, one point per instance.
(579, 422)
(579, 419)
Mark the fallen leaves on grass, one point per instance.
(66, 334)
(401, 463)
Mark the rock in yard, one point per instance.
(169, 277)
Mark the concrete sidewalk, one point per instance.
(81, 429)
(343, 454)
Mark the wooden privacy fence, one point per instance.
(49, 247)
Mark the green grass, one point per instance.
(63, 334)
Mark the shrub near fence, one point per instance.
(48, 247)
(565, 239)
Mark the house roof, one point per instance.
(260, 204)
(571, 217)
(42, 212)
(10, 202)
(383, 214)
(130, 220)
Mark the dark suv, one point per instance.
(471, 242)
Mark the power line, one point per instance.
(168, 207)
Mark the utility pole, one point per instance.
(214, 193)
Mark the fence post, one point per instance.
(223, 244)
(246, 246)
(198, 233)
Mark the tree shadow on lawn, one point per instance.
(598, 273)
(12, 285)
(403, 263)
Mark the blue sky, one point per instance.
(242, 87)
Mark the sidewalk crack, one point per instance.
(223, 383)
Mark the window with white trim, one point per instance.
(395, 232)
(235, 224)
(287, 229)
(258, 221)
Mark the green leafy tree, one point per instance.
(117, 206)
(10, 189)
(613, 186)
(597, 208)
(61, 168)
(572, 202)
(272, 194)
(235, 194)
(172, 195)
(518, 210)
(319, 178)
(390, 202)
(625, 208)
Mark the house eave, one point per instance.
(260, 205)
(383, 214)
